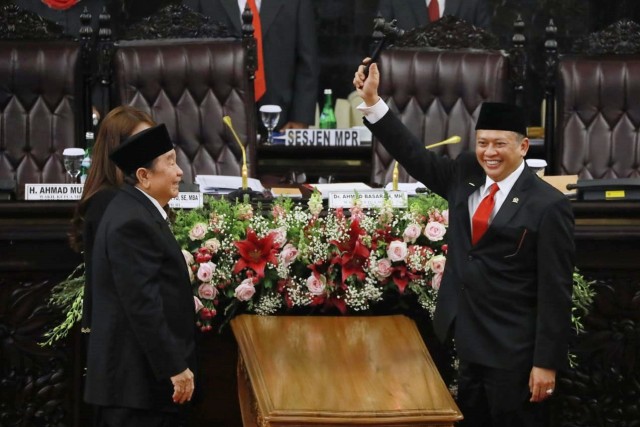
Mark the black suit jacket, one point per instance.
(289, 47)
(143, 323)
(413, 13)
(96, 206)
(510, 294)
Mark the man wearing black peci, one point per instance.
(141, 353)
(506, 291)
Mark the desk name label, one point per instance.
(53, 191)
(322, 137)
(367, 198)
(187, 200)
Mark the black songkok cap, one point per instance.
(499, 116)
(141, 148)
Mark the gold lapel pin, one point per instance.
(515, 200)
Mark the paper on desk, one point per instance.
(560, 182)
(325, 189)
(223, 184)
(408, 187)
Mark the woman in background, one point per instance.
(100, 187)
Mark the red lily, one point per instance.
(337, 303)
(401, 276)
(352, 253)
(255, 253)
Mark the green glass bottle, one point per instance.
(327, 116)
(86, 162)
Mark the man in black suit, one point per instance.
(290, 53)
(413, 13)
(506, 289)
(141, 352)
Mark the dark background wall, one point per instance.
(344, 30)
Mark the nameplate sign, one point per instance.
(187, 200)
(52, 191)
(367, 198)
(322, 137)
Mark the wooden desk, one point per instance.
(345, 164)
(338, 371)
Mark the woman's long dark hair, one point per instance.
(103, 173)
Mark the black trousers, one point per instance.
(491, 397)
(114, 416)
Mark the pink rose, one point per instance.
(198, 231)
(245, 290)
(437, 263)
(435, 282)
(435, 231)
(316, 285)
(445, 216)
(279, 236)
(397, 251)
(357, 214)
(277, 211)
(207, 291)
(289, 254)
(213, 245)
(245, 212)
(198, 304)
(411, 233)
(383, 268)
(205, 271)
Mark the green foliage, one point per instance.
(582, 298)
(425, 203)
(67, 297)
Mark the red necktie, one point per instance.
(434, 11)
(480, 220)
(259, 84)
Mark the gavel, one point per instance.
(390, 32)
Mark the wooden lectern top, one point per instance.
(339, 371)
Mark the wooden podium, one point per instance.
(338, 371)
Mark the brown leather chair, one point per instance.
(437, 93)
(598, 98)
(190, 84)
(41, 105)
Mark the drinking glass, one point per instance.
(73, 162)
(270, 114)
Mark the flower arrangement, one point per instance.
(291, 257)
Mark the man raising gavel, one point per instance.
(505, 296)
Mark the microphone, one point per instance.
(245, 174)
(453, 140)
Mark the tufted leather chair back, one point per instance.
(40, 109)
(190, 84)
(437, 94)
(598, 132)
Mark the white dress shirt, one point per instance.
(504, 187)
(243, 3)
(379, 109)
(155, 203)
